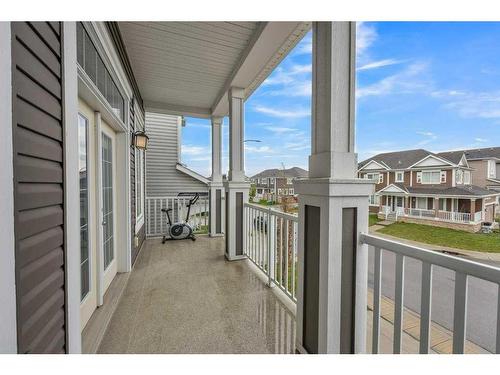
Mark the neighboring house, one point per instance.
(485, 163)
(421, 186)
(272, 184)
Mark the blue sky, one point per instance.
(419, 85)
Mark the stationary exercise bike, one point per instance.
(180, 230)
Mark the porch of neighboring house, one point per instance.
(458, 213)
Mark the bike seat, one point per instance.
(166, 209)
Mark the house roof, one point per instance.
(293, 172)
(399, 159)
(477, 153)
(469, 190)
(453, 156)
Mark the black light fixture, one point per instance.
(140, 140)
(252, 140)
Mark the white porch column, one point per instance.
(236, 187)
(215, 186)
(333, 206)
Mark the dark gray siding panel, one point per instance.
(239, 223)
(311, 279)
(348, 280)
(39, 187)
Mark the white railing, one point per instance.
(271, 244)
(478, 216)
(463, 270)
(460, 217)
(157, 222)
(417, 212)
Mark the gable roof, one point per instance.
(293, 172)
(453, 156)
(482, 153)
(399, 159)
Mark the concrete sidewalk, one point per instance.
(441, 338)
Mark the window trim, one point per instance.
(420, 177)
(396, 179)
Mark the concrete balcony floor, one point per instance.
(184, 297)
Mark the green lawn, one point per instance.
(445, 237)
(373, 219)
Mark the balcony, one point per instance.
(184, 297)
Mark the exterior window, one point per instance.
(422, 203)
(374, 200)
(491, 169)
(459, 176)
(467, 178)
(429, 177)
(443, 177)
(84, 208)
(400, 176)
(89, 60)
(289, 181)
(139, 184)
(290, 191)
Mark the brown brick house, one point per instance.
(421, 186)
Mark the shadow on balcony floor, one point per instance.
(183, 297)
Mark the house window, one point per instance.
(467, 178)
(374, 200)
(443, 177)
(429, 177)
(400, 176)
(459, 176)
(89, 60)
(491, 169)
(290, 191)
(139, 185)
(422, 203)
(289, 181)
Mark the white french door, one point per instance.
(108, 205)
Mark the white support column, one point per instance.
(8, 337)
(72, 188)
(216, 192)
(236, 187)
(333, 206)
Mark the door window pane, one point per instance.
(107, 199)
(84, 207)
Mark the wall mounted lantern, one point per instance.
(140, 140)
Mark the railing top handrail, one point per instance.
(471, 268)
(272, 211)
(176, 197)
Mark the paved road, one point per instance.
(482, 297)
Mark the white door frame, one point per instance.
(108, 274)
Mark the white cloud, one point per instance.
(280, 129)
(193, 150)
(429, 138)
(427, 134)
(260, 149)
(302, 144)
(481, 140)
(366, 35)
(379, 64)
(283, 113)
(408, 80)
(283, 76)
(475, 104)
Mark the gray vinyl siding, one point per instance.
(162, 177)
(39, 186)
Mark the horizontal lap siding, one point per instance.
(162, 177)
(39, 186)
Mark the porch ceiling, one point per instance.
(187, 67)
